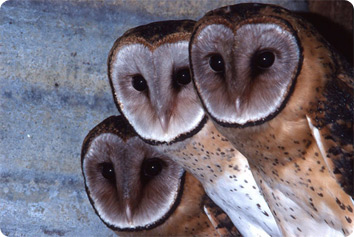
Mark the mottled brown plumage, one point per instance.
(301, 151)
(113, 141)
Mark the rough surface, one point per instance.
(53, 90)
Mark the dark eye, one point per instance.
(139, 83)
(151, 167)
(183, 76)
(107, 172)
(217, 63)
(264, 59)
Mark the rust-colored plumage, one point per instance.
(301, 152)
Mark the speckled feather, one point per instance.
(188, 216)
(190, 139)
(227, 179)
(302, 153)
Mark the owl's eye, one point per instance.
(151, 167)
(107, 172)
(139, 83)
(216, 63)
(264, 59)
(183, 77)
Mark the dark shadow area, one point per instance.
(339, 36)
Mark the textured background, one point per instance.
(53, 90)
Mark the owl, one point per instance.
(284, 98)
(137, 191)
(150, 77)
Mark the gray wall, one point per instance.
(53, 90)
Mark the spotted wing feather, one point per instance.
(331, 120)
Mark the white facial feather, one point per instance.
(108, 209)
(261, 103)
(213, 39)
(235, 97)
(143, 109)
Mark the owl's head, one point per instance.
(130, 186)
(148, 68)
(245, 60)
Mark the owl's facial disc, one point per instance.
(245, 75)
(154, 92)
(130, 186)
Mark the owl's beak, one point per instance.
(164, 121)
(163, 107)
(237, 105)
(164, 116)
(127, 203)
(128, 212)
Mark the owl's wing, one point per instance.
(219, 219)
(331, 124)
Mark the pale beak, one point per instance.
(127, 202)
(164, 119)
(237, 105)
(163, 107)
(128, 213)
